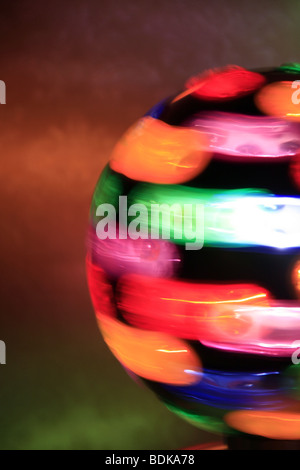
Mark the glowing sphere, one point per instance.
(194, 248)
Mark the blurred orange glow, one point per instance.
(156, 152)
(154, 356)
(296, 278)
(275, 99)
(270, 424)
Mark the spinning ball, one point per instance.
(194, 251)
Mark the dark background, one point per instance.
(78, 73)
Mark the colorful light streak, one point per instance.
(238, 318)
(108, 189)
(188, 310)
(222, 84)
(296, 278)
(276, 99)
(294, 170)
(100, 289)
(244, 217)
(156, 152)
(122, 256)
(292, 67)
(274, 330)
(151, 355)
(156, 110)
(251, 137)
(206, 422)
(232, 390)
(270, 424)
